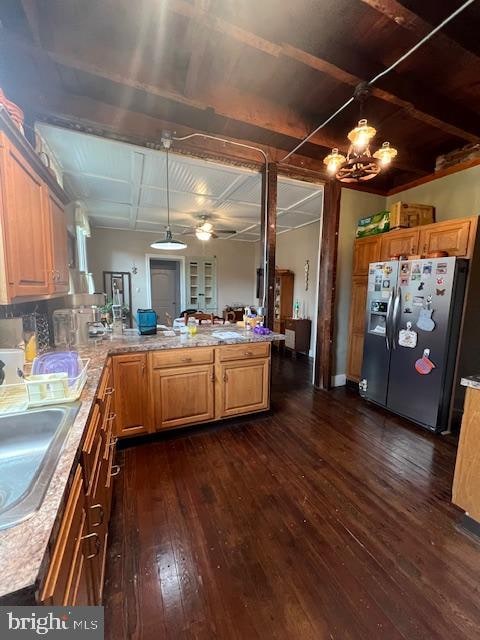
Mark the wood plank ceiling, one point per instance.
(263, 72)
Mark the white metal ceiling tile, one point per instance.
(250, 191)
(294, 219)
(108, 209)
(110, 223)
(290, 192)
(314, 206)
(239, 210)
(82, 153)
(94, 188)
(188, 175)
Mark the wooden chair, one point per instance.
(201, 317)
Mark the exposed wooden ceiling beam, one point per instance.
(198, 37)
(428, 116)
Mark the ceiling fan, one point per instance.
(204, 229)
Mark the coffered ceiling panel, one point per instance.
(124, 186)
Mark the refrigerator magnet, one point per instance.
(440, 282)
(424, 365)
(425, 321)
(407, 337)
(404, 282)
(421, 286)
(408, 296)
(405, 268)
(442, 268)
(440, 292)
(418, 301)
(427, 270)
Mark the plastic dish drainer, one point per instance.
(42, 390)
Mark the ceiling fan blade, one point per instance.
(229, 232)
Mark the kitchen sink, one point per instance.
(30, 446)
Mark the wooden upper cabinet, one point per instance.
(58, 253)
(455, 236)
(183, 395)
(131, 394)
(25, 226)
(366, 250)
(403, 242)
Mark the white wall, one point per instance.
(353, 205)
(112, 249)
(454, 196)
(293, 248)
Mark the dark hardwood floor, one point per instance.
(327, 519)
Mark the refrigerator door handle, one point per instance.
(397, 310)
(388, 320)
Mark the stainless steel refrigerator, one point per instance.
(413, 319)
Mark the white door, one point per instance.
(165, 288)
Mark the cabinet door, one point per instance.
(243, 387)
(183, 395)
(356, 328)
(58, 245)
(454, 236)
(366, 250)
(131, 394)
(403, 242)
(26, 226)
(67, 581)
(466, 483)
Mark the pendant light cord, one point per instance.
(168, 194)
(382, 74)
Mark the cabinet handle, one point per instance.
(109, 391)
(111, 417)
(97, 544)
(113, 441)
(225, 377)
(185, 360)
(212, 379)
(248, 353)
(115, 470)
(101, 514)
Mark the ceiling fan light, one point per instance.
(207, 226)
(334, 161)
(203, 234)
(169, 243)
(361, 135)
(385, 154)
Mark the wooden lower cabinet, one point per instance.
(76, 572)
(466, 483)
(130, 381)
(67, 581)
(183, 395)
(244, 387)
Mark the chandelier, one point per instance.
(360, 165)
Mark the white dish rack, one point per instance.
(42, 390)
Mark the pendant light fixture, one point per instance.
(360, 165)
(168, 243)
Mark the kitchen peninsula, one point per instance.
(136, 385)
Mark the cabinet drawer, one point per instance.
(60, 576)
(181, 357)
(244, 351)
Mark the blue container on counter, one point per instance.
(147, 322)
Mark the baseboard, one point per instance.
(340, 380)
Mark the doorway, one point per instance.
(165, 287)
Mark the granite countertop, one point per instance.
(23, 548)
(471, 381)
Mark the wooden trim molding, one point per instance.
(328, 246)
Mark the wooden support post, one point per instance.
(269, 236)
(326, 285)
